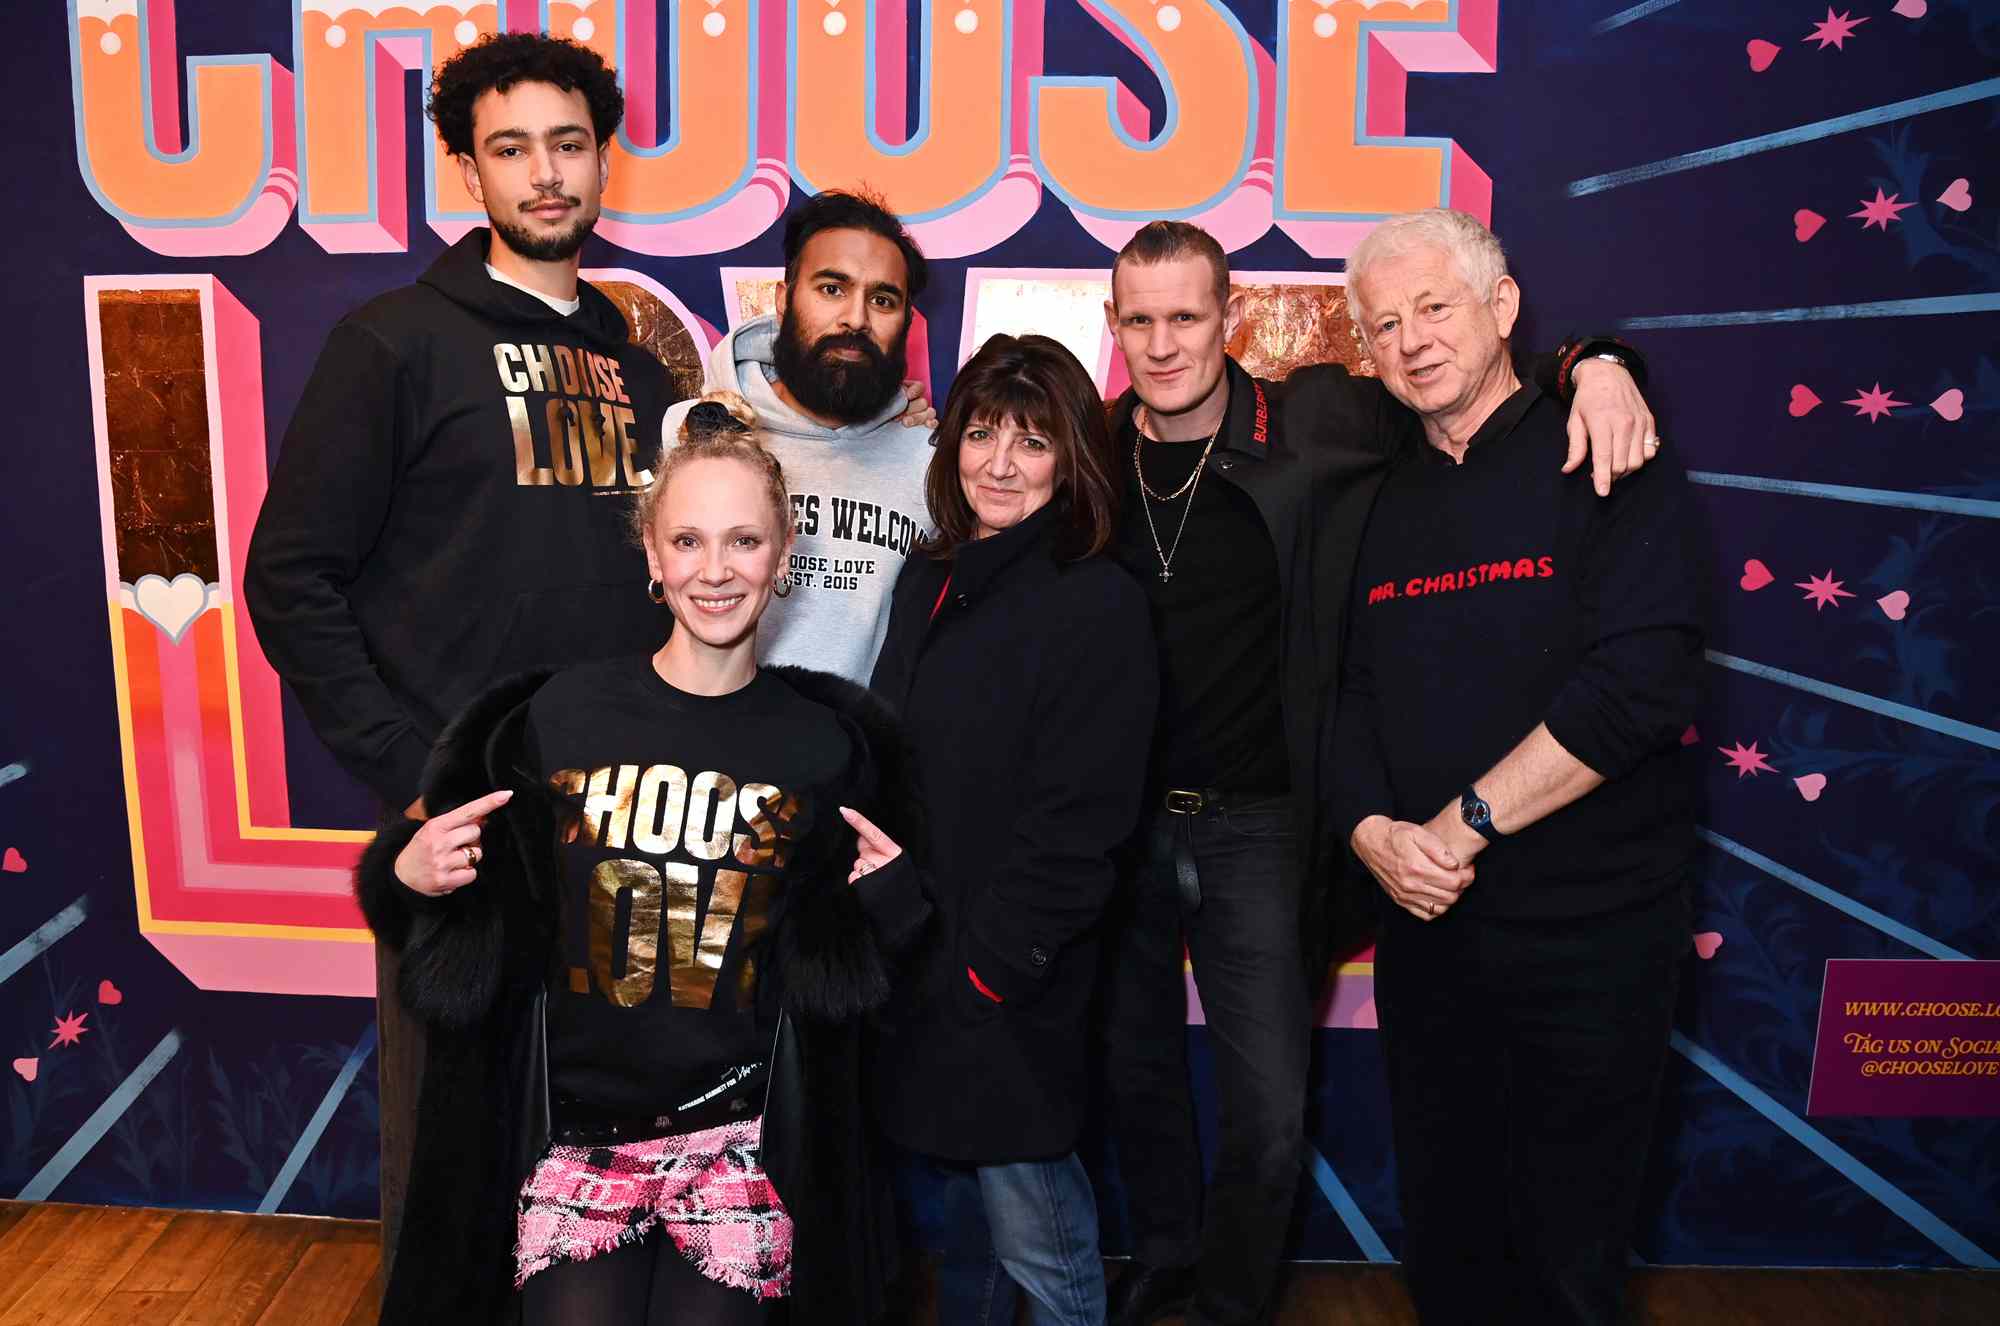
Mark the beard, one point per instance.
(848, 390)
(559, 247)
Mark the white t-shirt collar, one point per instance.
(562, 306)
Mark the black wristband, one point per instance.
(1579, 348)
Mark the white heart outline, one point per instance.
(180, 601)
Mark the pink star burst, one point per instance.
(1834, 30)
(1874, 403)
(1746, 760)
(69, 1030)
(1882, 210)
(1822, 590)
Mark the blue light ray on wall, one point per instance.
(46, 934)
(51, 1175)
(316, 1126)
(1834, 492)
(1632, 15)
(1804, 133)
(1874, 704)
(1346, 1207)
(1918, 1216)
(1868, 916)
(1881, 308)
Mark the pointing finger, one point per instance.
(871, 837)
(477, 809)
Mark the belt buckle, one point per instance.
(1182, 802)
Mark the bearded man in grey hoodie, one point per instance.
(825, 376)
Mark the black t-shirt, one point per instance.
(1217, 620)
(692, 805)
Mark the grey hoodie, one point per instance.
(857, 505)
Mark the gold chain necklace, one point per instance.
(1148, 496)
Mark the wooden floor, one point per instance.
(1690, 1296)
(113, 1266)
(96, 1266)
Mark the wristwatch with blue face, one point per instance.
(1478, 816)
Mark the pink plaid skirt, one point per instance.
(708, 1190)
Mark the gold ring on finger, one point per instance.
(471, 857)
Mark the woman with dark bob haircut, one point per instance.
(1021, 660)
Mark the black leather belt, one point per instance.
(1208, 800)
(1191, 800)
(1182, 805)
(1174, 831)
(573, 1123)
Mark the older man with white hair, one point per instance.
(1523, 660)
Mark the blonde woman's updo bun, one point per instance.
(719, 426)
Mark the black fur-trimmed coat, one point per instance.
(473, 966)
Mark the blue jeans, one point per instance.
(1031, 1225)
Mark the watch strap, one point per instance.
(1478, 816)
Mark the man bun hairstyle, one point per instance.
(720, 426)
(499, 60)
(838, 209)
(1174, 241)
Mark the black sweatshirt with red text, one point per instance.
(451, 505)
(1500, 593)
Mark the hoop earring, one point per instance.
(656, 591)
(782, 585)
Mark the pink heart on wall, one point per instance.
(1894, 604)
(1811, 785)
(28, 1068)
(1806, 224)
(1911, 8)
(1756, 575)
(1958, 197)
(1950, 406)
(1706, 943)
(107, 993)
(13, 861)
(1804, 401)
(1761, 54)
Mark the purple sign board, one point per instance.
(1900, 1038)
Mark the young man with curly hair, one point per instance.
(438, 514)
(445, 509)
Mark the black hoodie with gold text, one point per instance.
(450, 505)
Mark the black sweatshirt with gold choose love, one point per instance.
(691, 808)
(450, 506)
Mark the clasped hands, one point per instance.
(1424, 868)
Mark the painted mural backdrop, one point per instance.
(1790, 207)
